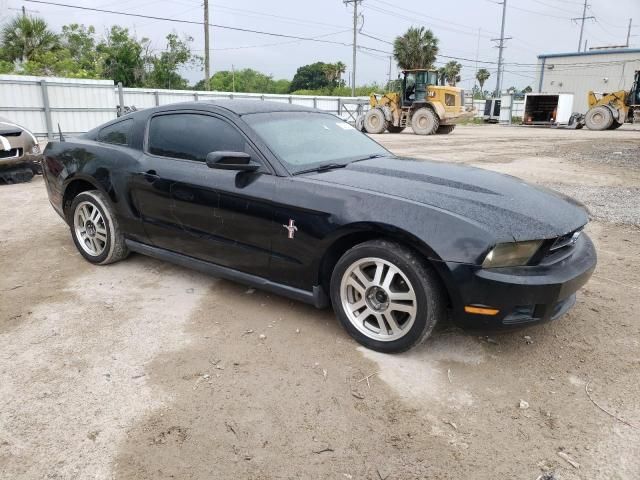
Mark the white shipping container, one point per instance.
(547, 109)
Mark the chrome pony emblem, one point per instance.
(291, 228)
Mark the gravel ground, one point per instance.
(145, 370)
(609, 204)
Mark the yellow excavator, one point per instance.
(608, 111)
(423, 103)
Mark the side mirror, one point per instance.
(238, 161)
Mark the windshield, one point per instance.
(306, 140)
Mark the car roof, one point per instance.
(246, 106)
(238, 106)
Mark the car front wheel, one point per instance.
(385, 296)
(95, 229)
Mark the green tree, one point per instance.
(164, 73)
(245, 80)
(417, 48)
(23, 37)
(80, 42)
(5, 67)
(123, 57)
(451, 72)
(318, 75)
(334, 72)
(482, 76)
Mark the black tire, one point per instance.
(374, 121)
(599, 118)
(422, 282)
(16, 175)
(394, 129)
(445, 129)
(424, 121)
(113, 248)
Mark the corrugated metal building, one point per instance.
(580, 72)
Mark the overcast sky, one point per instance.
(465, 29)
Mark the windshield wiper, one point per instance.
(323, 168)
(369, 157)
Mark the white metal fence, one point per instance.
(78, 105)
(41, 103)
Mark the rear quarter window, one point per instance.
(117, 133)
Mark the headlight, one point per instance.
(511, 254)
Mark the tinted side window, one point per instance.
(192, 136)
(117, 134)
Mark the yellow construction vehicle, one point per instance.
(608, 111)
(423, 103)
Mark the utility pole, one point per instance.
(207, 71)
(389, 82)
(582, 19)
(475, 78)
(501, 48)
(355, 43)
(629, 32)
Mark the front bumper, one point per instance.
(522, 295)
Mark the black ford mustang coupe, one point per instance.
(298, 202)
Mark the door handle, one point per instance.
(150, 175)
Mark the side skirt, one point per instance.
(316, 297)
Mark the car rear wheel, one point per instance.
(385, 296)
(95, 229)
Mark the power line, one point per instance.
(190, 22)
(451, 57)
(276, 44)
(446, 21)
(413, 19)
(299, 21)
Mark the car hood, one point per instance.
(504, 205)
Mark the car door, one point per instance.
(221, 216)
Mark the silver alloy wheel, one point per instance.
(90, 229)
(378, 299)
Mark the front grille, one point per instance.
(519, 315)
(556, 250)
(523, 314)
(565, 240)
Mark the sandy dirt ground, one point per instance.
(145, 370)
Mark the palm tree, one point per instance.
(333, 73)
(25, 37)
(482, 76)
(340, 69)
(451, 72)
(417, 48)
